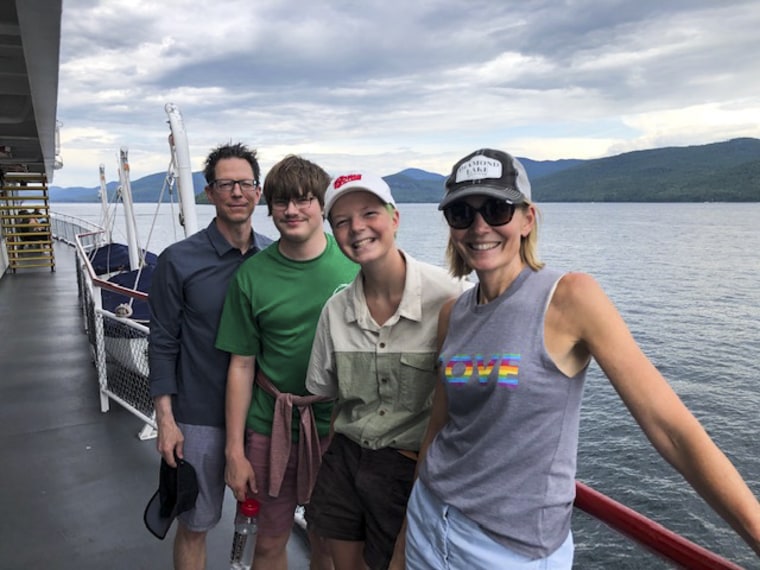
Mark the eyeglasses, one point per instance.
(301, 202)
(495, 212)
(225, 185)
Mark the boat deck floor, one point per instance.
(75, 481)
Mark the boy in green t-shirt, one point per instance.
(276, 431)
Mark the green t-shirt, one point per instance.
(271, 311)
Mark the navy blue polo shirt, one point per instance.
(186, 299)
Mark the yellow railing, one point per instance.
(25, 221)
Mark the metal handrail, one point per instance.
(647, 533)
(97, 281)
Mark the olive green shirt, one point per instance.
(382, 376)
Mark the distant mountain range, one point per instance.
(718, 172)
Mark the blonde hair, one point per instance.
(528, 248)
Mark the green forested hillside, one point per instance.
(718, 172)
(725, 172)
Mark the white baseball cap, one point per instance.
(354, 181)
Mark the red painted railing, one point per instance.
(649, 534)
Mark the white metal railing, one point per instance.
(119, 346)
(65, 228)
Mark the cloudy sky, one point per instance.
(387, 85)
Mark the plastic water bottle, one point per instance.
(244, 541)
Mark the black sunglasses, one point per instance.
(495, 212)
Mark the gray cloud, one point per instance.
(395, 84)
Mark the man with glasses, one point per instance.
(276, 431)
(187, 374)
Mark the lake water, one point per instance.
(685, 278)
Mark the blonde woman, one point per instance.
(374, 352)
(497, 479)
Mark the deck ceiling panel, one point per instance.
(30, 33)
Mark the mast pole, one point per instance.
(129, 210)
(181, 158)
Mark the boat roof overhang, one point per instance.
(30, 34)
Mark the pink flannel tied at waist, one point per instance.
(309, 452)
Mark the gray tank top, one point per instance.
(506, 458)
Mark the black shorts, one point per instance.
(361, 495)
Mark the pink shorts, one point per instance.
(276, 513)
